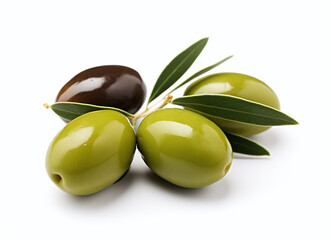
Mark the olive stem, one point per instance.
(46, 105)
(166, 100)
(147, 107)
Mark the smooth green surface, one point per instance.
(91, 152)
(184, 147)
(176, 68)
(239, 85)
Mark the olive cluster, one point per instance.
(188, 149)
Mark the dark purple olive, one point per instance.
(112, 86)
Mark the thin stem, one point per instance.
(147, 107)
(46, 105)
(149, 110)
(166, 101)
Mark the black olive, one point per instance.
(110, 85)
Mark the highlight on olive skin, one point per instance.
(184, 148)
(110, 85)
(238, 85)
(91, 153)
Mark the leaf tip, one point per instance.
(292, 121)
(266, 153)
(204, 40)
(262, 151)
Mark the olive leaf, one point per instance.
(245, 145)
(71, 110)
(202, 71)
(234, 108)
(176, 68)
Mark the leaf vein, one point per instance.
(227, 109)
(173, 72)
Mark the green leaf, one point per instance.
(245, 145)
(234, 108)
(176, 68)
(197, 74)
(71, 110)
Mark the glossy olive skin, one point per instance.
(92, 152)
(184, 148)
(239, 85)
(111, 85)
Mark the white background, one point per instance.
(285, 43)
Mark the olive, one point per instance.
(184, 148)
(92, 152)
(111, 85)
(239, 85)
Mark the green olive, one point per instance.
(184, 147)
(91, 152)
(239, 85)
